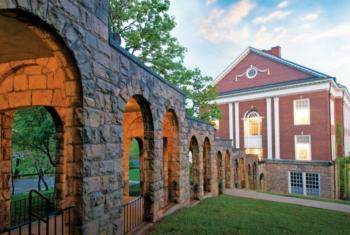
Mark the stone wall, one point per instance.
(88, 79)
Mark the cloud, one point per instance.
(276, 15)
(310, 17)
(209, 2)
(322, 34)
(283, 4)
(223, 25)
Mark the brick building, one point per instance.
(293, 118)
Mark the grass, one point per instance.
(134, 174)
(234, 215)
(20, 196)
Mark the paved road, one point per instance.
(25, 185)
(291, 200)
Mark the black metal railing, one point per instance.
(59, 224)
(133, 214)
(42, 217)
(20, 207)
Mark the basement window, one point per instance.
(304, 183)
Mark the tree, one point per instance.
(34, 141)
(145, 27)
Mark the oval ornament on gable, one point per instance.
(251, 72)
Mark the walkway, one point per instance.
(25, 185)
(291, 200)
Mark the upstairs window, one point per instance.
(303, 147)
(302, 112)
(252, 124)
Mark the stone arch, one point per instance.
(254, 175)
(262, 185)
(249, 174)
(242, 178)
(228, 170)
(194, 169)
(171, 158)
(138, 123)
(207, 165)
(219, 172)
(236, 174)
(43, 72)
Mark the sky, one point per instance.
(313, 33)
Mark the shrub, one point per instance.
(343, 172)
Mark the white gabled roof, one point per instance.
(271, 57)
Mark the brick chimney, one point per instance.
(276, 51)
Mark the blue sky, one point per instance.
(311, 32)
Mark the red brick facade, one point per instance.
(271, 90)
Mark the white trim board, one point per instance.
(279, 91)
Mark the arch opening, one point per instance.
(236, 174)
(194, 170)
(206, 166)
(171, 164)
(242, 179)
(250, 180)
(254, 175)
(137, 135)
(38, 70)
(228, 171)
(219, 170)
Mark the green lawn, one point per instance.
(134, 174)
(233, 215)
(20, 196)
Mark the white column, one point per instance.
(237, 124)
(277, 127)
(269, 128)
(230, 120)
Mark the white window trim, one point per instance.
(295, 148)
(294, 108)
(289, 183)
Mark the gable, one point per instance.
(268, 71)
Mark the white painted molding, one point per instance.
(279, 91)
(277, 127)
(230, 120)
(269, 128)
(237, 125)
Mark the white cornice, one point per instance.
(275, 92)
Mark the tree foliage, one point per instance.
(33, 140)
(145, 27)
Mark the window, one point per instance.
(303, 147)
(252, 124)
(312, 184)
(296, 182)
(252, 131)
(302, 112)
(304, 183)
(332, 112)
